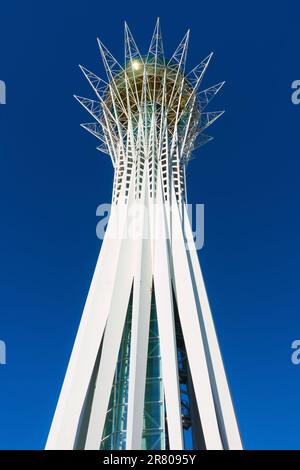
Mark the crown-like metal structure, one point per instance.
(146, 370)
(150, 109)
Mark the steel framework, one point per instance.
(146, 369)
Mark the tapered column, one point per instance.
(64, 426)
(166, 323)
(121, 290)
(192, 334)
(225, 410)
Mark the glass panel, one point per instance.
(154, 416)
(154, 367)
(154, 433)
(154, 390)
(108, 427)
(153, 333)
(116, 440)
(153, 348)
(114, 433)
(153, 440)
(191, 425)
(154, 428)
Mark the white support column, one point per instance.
(219, 381)
(166, 324)
(113, 334)
(188, 315)
(142, 290)
(148, 113)
(64, 426)
(110, 349)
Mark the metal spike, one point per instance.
(201, 140)
(195, 76)
(131, 49)
(95, 129)
(206, 119)
(92, 106)
(104, 149)
(205, 96)
(179, 57)
(176, 66)
(111, 64)
(156, 49)
(98, 113)
(134, 62)
(102, 88)
(99, 85)
(112, 67)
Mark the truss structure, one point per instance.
(146, 369)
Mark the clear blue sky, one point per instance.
(52, 179)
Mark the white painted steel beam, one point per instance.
(166, 324)
(188, 315)
(149, 118)
(227, 418)
(142, 292)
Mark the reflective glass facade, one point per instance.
(114, 434)
(154, 428)
(155, 434)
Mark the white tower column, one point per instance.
(146, 371)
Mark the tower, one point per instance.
(146, 370)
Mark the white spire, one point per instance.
(146, 364)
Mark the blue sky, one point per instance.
(52, 179)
